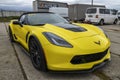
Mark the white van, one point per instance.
(101, 15)
(118, 14)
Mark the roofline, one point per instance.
(98, 7)
(37, 12)
(101, 8)
(88, 5)
(53, 2)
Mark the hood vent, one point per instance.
(71, 27)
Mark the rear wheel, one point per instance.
(101, 22)
(115, 22)
(37, 55)
(11, 35)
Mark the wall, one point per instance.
(42, 5)
(77, 11)
(5, 13)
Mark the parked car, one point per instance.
(118, 14)
(55, 44)
(101, 15)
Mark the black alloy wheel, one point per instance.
(37, 55)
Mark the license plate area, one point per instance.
(90, 16)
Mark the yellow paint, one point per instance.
(58, 58)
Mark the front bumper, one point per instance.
(92, 20)
(95, 67)
(60, 60)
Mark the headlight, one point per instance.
(56, 40)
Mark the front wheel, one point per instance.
(37, 55)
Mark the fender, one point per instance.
(9, 26)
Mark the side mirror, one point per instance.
(75, 21)
(17, 23)
(69, 20)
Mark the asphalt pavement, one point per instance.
(15, 64)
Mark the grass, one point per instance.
(7, 19)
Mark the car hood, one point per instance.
(87, 37)
(70, 31)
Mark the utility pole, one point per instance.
(92, 2)
(1, 12)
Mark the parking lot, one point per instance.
(15, 64)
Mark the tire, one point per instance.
(101, 22)
(11, 35)
(115, 22)
(37, 55)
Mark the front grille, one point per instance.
(88, 58)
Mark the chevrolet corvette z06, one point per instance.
(55, 44)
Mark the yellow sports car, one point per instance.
(55, 44)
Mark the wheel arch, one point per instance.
(115, 21)
(35, 37)
(10, 27)
(102, 19)
(39, 36)
(42, 50)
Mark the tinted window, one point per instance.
(113, 12)
(43, 18)
(119, 13)
(22, 19)
(102, 11)
(107, 11)
(91, 11)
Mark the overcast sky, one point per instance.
(27, 4)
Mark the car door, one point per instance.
(118, 15)
(22, 31)
(102, 13)
(107, 16)
(113, 15)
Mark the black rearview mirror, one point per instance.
(17, 23)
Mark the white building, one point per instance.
(44, 5)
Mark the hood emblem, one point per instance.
(99, 43)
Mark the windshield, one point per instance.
(43, 18)
(91, 11)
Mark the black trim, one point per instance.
(36, 12)
(95, 67)
(15, 36)
(71, 27)
(27, 36)
(81, 59)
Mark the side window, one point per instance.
(22, 19)
(113, 12)
(107, 11)
(102, 11)
(119, 13)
